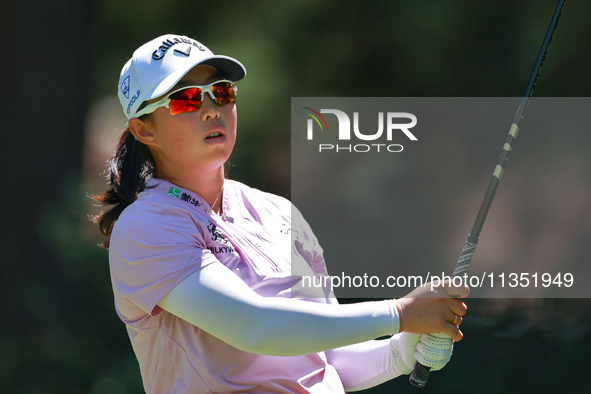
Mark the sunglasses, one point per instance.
(190, 98)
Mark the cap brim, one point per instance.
(231, 69)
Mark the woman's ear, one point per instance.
(141, 130)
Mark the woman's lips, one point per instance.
(215, 137)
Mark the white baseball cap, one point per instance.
(158, 65)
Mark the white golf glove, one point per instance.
(431, 350)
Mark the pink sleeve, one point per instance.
(152, 251)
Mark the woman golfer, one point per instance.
(201, 265)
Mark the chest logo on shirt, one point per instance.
(217, 235)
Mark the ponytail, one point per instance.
(130, 168)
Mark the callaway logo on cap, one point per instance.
(158, 65)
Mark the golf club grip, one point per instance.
(420, 374)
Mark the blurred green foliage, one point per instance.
(64, 335)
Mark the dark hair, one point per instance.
(129, 169)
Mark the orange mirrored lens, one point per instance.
(224, 93)
(190, 99)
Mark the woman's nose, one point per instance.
(209, 108)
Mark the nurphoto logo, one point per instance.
(391, 119)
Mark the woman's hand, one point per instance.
(433, 308)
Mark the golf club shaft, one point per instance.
(420, 374)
